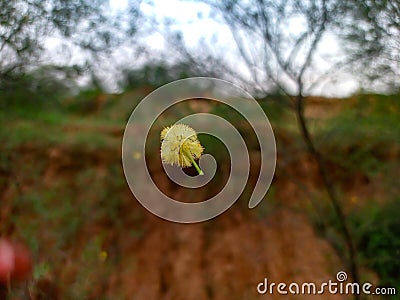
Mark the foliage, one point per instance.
(367, 131)
(378, 234)
(43, 86)
(371, 30)
(87, 101)
(156, 74)
(27, 27)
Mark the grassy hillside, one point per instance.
(63, 193)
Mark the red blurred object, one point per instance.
(7, 258)
(15, 262)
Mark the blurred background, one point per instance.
(326, 73)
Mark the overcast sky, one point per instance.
(192, 20)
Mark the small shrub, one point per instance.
(378, 233)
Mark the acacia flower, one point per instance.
(180, 146)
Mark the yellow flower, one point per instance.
(180, 146)
(103, 256)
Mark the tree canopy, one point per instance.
(283, 44)
(371, 30)
(88, 25)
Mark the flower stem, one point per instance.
(194, 163)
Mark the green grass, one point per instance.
(362, 136)
(377, 229)
(57, 220)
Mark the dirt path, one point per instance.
(226, 258)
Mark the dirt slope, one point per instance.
(224, 258)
